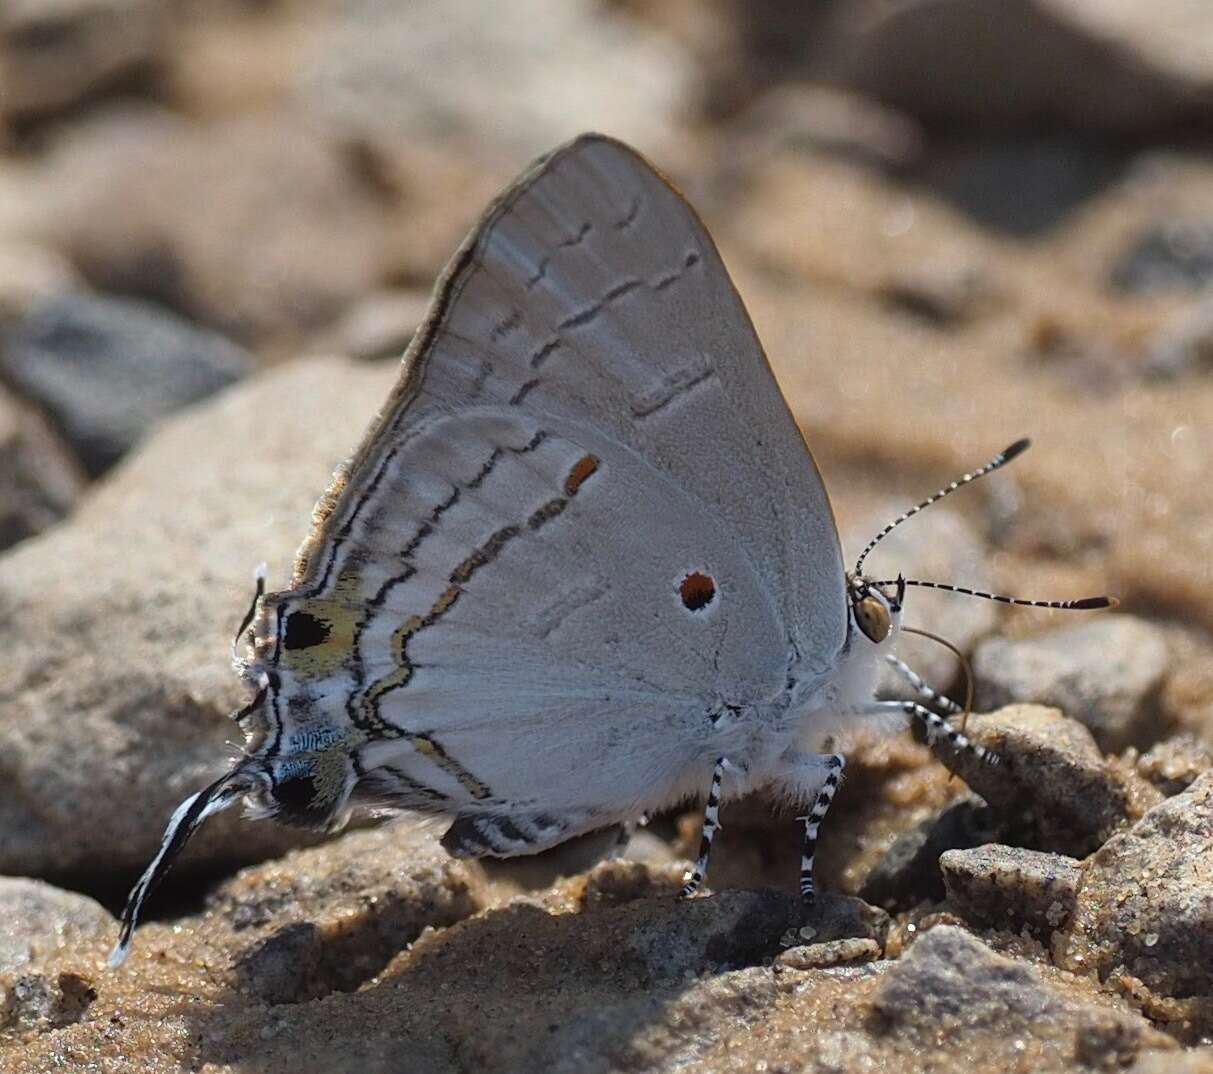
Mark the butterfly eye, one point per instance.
(873, 619)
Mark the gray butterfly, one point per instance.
(581, 567)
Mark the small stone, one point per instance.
(1009, 887)
(1183, 346)
(733, 928)
(36, 1003)
(818, 956)
(1107, 673)
(951, 1004)
(908, 874)
(1176, 763)
(951, 988)
(842, 917)
(942, 295)
(105, 369)
(613, 883)
(824, 120)
(37, 918)
(1053, 784)
(54, 53)
(40, 479)
(29, 274)
(1175, 255)
(1192, 1061)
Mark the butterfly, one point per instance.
(581, 567)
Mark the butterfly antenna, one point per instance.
(186, 820)
(1083, 604)
(964, 663)
(999, 460)
(965, 666)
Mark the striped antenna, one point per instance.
(999, 460)
(1083, 604)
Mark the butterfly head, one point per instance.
(875, 607)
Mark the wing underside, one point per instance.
(583, 522)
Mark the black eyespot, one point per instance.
(697, 590)
(295, 799)
(303, 630)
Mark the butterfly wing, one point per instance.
(583, 526)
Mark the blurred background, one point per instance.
(955, 223)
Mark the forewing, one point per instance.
(591, 292)
(583, 526)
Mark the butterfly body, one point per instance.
(582, 564)
(531, 562)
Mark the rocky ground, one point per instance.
(955, 223)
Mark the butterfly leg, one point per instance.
(921, 688)
(936, 728)
(711, 825)
(812, 777)
(246, 622)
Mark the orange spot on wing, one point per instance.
(697, 591)
(579, 474)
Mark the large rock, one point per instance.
(951, 992)
(1174, 764)
(1053, 785)
(115, 627)
(330, 918)
(1144, 914)
(259, 225)
(1106, 672)
(1009, 887)
(104, 370)
(54, 53)
(401, 73)
(1109, 65)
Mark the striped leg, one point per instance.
(833, 763)
(920, 687)
(936, 727)
(711, 825)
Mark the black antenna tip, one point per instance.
(1017, 448)
(1088, 603)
